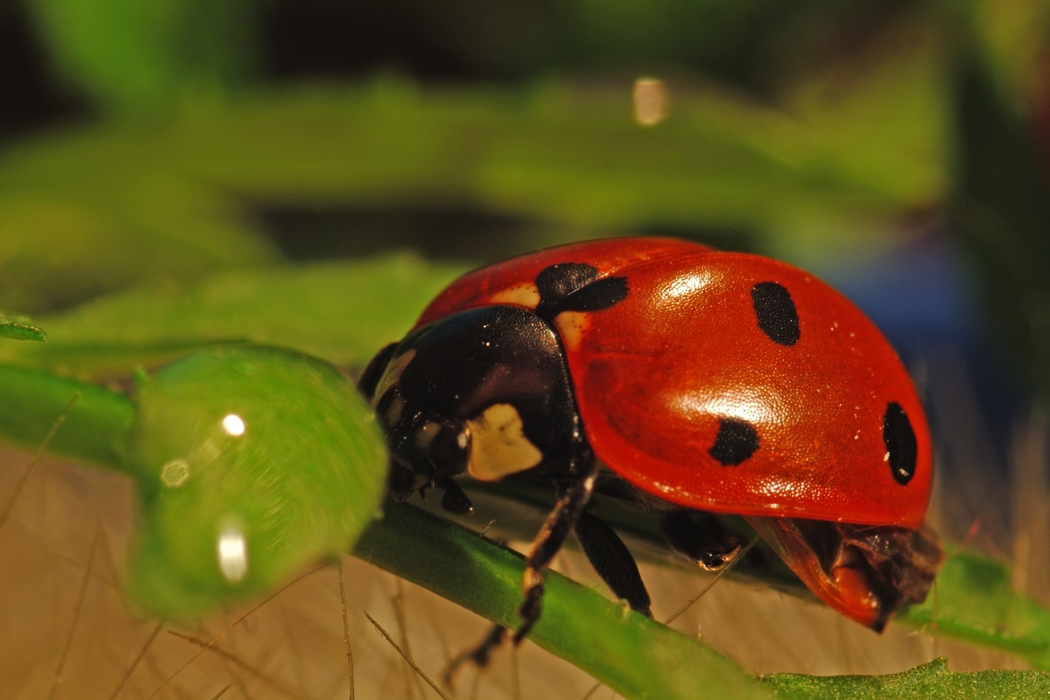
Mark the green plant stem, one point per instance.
(630, 653)
(95, 429)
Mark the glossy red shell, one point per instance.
(656, 373)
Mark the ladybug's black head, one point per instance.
(425, 447)
(484, 391)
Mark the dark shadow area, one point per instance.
(450, 233)
(440, 232)
(30, 97)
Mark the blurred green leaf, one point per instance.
(342, 312)
(974, 601)
(252, 463)
(1012, 37)
(72, 239)
(102, 207)
(930, 681)
(134, 55)
(20, 328)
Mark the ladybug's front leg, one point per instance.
(551, 537)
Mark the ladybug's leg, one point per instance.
(552, 535)
(597, 537)
(455, 500)
(479, 655)
(701, 537)
(613, 562)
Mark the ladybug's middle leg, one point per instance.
(551, 537)
(613, 562)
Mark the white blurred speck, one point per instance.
(233, 425)
(233, 555)
(650, 101)
(174, 473)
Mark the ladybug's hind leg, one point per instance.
(701, 537)
(613, 562)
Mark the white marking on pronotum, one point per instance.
(498, 444)
(426, 434)
(233, 555)
(392, 374)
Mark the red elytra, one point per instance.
(659, 374)
(655, 373)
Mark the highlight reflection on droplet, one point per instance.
(233, 555)
(233, 425)
(174, 473)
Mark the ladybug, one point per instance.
(685, 381)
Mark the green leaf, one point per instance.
(342, 312)
(20, 328)
(251, 462)
(930, 681)
(136, 54)
(973, 601)
(1012, 39)
(64, 241)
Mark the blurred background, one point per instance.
(900, 149)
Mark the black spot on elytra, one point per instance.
(595, 296)
(573, 287)
(736, 441)
(900, 441)
(556, 282)
(776, 312)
